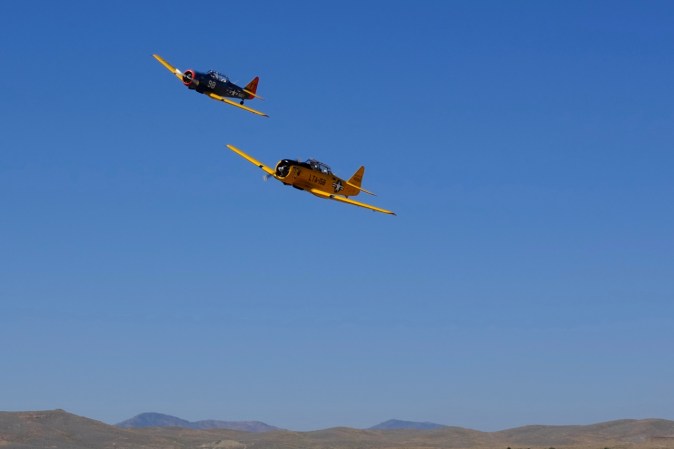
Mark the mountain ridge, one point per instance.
(153, 419)
(58, 428)
(395, 424)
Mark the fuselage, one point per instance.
(312, 175)
(213, 82)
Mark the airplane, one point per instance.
(216, 85)
(315, 177)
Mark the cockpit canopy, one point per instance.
(283, 166)
(318, 165)
(218, 76)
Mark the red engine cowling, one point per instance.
(190, 79)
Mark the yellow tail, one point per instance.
(353, 187)
(357, 179)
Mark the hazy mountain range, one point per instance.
(145, 420)
(160, 420)
(396, 424)
(62, 430)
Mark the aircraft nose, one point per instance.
(189, 78)
(282, 169)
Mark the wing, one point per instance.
(251, 159)
(330, 196)
(169, 67)
(234, 103)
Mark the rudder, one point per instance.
(252, 87)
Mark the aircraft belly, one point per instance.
(302, 184)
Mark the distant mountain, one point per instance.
(396, 424)
(145, 420)
(154, 420)
(244, 426)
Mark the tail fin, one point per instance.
(251, 87)
(355, 181)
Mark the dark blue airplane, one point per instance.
(216, 86)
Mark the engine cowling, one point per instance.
(283, 168)
(190, 79)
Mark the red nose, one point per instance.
(188, 77)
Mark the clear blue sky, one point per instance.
(526, 147)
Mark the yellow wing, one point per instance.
(251, 159)
(234, 103)
(330, 196)
(169, 67)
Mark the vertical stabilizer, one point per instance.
(357, 179)
(251, 88)
(352, 187)
(354, 183)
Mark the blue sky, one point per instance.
(526, 147)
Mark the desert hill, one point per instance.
(62, 430)
(620, 432)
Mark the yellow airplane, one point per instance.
(216, 85)
(315, 177)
